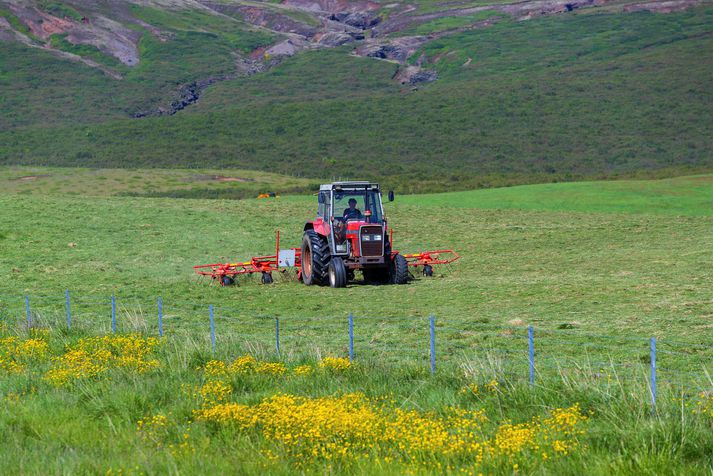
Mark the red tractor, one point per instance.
(350, 233)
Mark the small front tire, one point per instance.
(337, 273)
(399, 270)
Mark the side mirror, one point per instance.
(320, 198)
(391, 195)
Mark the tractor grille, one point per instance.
(371, 239)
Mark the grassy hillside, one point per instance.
(176, 47)
(555, 98)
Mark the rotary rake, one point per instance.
(286, 260)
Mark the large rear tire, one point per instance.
(315, 258)
(399, 270)
(337, 273)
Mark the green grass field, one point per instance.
(176, 183)
(578, 261)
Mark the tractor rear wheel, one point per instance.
(315, 258)
(399, 270)
(337, 273)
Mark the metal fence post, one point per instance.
(277, 336)
(113, 314)
(531, 353)
(653, 371)
(212, 329)
(351, 338)
(27, 311)
(160, 317)
(69, 312)
(432, 322)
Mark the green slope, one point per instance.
(558, 98)
(686, 196)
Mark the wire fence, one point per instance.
(514, 352)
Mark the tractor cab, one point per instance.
(345, 210)
(349, 232)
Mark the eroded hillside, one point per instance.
(117, 36)
(422, 95)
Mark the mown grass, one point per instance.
(637, 273)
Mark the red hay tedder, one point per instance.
(341, 240)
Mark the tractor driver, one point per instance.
(352, 212)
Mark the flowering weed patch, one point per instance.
(352, 427)
(704, 405)
(16, 353)
(248, 365)
(93, 356)
(335, 364)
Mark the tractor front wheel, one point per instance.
(315, 258)
(399, 270)
(337, 273)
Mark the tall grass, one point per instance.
(92, 424)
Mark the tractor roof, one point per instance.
(348, 185)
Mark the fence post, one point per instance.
(531, 353)
(28, 312)
(69, 312)
(277, 336)
(653, 371)
(432, 326)
(351, 338)
(113, 313)
(160, 317)
(212, 329)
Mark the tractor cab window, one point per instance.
(358, 205)
(323, 208)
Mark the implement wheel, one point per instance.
(337, 273)
(399, 270)
(315, 258)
